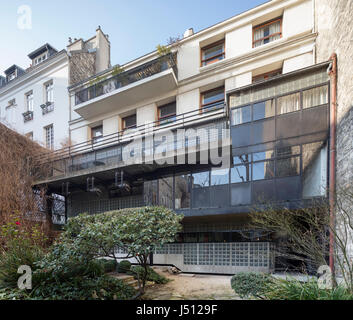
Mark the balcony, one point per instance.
(47, 107)
(127, 88)
(27, 116)
(144, 141)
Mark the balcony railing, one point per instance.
(108, 150)
(27, 116)
(47, 107)
(125, 78)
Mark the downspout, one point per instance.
(332, 178)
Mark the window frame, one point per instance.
(203, 107)
(163, 118)
(267, 75)
(49, 84)
(203, 62)
(93, 138)
(124, 122)
(51, 144)
(28, 107)
(267, 23)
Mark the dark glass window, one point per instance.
(200, 180)
(212, 100)
(263, 170)
(213, 53)
(182, 191)
(264, 155)
(166, 192)
(265, 109)
(244, 158)
(288, 151)
(167, 113)
(129, 122)
(241, 115)
(288, 167)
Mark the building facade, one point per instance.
(253, 99)
(35, 102)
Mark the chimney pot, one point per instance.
(189, 32)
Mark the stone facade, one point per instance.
(334, 25)
(82, 65)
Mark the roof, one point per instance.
(42, 49)
(12, 69)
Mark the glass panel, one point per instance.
(244, 158)
(288, 167)
(150, 193)
(241, 174)
(240, 194)
(265, 109)
(213, 99)
(315, 97)
(314, 169)
(200, 180)
(288, 151)
(241, 115)
(288, 103)
(263, 170)
(264, 155)
(130, 122)
(167, 110)
(182, 192)
(266, 34)
(166, 192)
(219, 177)
(213, 54)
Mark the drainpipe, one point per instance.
(332, 180)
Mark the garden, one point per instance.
(78, 265)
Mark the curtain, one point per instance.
(288, 103)
(315, 97)
(266, 31)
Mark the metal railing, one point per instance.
(181, 121)
(47, 107)
(127, 77)
(27, 116)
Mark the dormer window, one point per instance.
(213, 53)
(40, 59)
(11, 76)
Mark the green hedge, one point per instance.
(151, 275)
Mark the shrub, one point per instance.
(124, 266)
(151, 275)
(251, 284)
(19, 252)
(84, 288)
(296, 290)
(109, 265)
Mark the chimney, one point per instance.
(189, 32)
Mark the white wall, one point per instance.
(57, 73)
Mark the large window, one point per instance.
(213, 53)
(49, 136)
(167, 113)
(212, 100)
(182, 191)
(29, 101)
(267, 32)
(49, 94)
(315, 97)
(288, 103)
(129, 122)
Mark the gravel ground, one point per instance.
(191, 287)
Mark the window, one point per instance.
(129, 122)
(212, 100)
(241, 115)
(40, 59)
(29, 101)
(267, 32)
(49, 137)
(213, 53)
(263, 170)
(97, 134)
(266, 76)
(11, 76)
(265, 109)
(219, 177)
(289, 103)
(167, 113)
(182, 192)
(315, 97)
(49, 97)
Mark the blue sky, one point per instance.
(135, 27)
